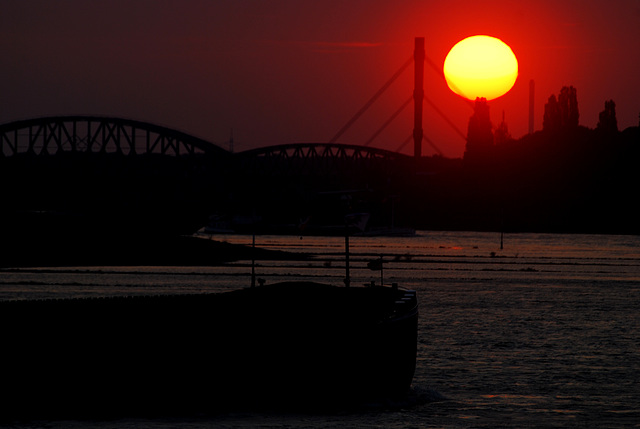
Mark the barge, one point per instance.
(293, 345)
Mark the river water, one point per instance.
(544, 332)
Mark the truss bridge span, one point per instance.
(317, 159)
(97, 134)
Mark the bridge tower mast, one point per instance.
(418, 96)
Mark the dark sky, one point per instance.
(283, 71)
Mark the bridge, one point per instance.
(122, 173)
(98, 134)
(322, 150)
(117, 169)
(51, 135)
(317, 159)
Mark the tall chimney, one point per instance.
(532, 87)
(418, 96)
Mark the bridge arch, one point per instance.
(50, 135)
(322, 150)
(317, 159)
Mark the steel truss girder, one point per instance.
(314, 158)
(50, 135)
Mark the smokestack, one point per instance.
(418, 96)
(532, 87)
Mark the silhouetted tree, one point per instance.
(568, 102)
(502, 135)
(479, 134)
(552, 117)
(562, 113)
(607, 122)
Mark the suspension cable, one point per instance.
(401, 108)
(386, 124)
(440, 73)
(372, 100)
(441, 113)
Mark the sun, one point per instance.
(481, 66)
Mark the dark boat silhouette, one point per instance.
(287, 345)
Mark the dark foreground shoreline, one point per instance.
(61, 249)
(59, 239)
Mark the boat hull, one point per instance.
(290, 345)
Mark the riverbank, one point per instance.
(92, 249)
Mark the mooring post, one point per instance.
(253, 260)
(347, 278)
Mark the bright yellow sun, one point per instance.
(481, 66)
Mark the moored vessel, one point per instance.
(286, 345)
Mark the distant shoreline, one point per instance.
(49, 251)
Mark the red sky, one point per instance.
(285, 71)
